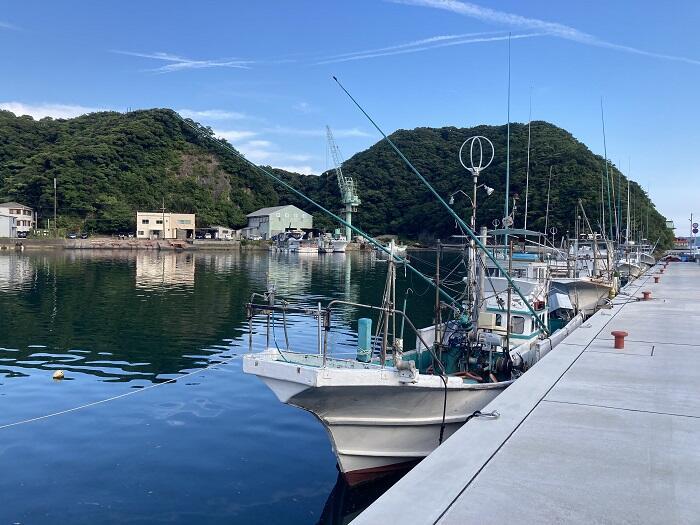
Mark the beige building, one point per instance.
(24, 215)
(159, 225)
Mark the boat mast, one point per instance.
(546, 215)
(505, 216)
(527, 169)
(607, 176)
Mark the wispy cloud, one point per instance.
(42, 110)
(261, 151)
(304, 107)
(298, 168)
(234, 135)
(6, 25)
(316, 132)
(179, 63)
(211, 114)
(424, 45)
(550, 28)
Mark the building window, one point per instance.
(159, 221)
(27, 212)
(183, 221)
(140, 233)
(499, 320)
(144, 221)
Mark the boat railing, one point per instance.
(323, 317)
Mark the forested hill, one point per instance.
(110, 164)
(394, 201)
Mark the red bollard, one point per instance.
(646, 296)
(656, 279)
(619, 339)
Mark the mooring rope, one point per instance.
(125, 394)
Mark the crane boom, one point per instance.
(346, 185)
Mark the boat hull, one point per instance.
(376, 421)
(370, 438)
(586, 295)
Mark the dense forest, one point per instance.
(110, 164)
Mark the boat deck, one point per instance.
(589, 435)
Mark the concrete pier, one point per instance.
(590, 434)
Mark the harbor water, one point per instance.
(183, 436)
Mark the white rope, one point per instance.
(132, 392)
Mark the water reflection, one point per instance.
(15, 271)
(345, 503)
(157, 268)
(216, 447)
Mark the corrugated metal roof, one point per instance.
(262, 212)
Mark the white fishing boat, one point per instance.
(387, 407)
(306, 246)
(339, 244)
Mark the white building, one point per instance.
(159, 225)
(26, 220)
(223, 233)
(8, 225)
(267, 222)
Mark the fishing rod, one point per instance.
(454, 215)
(357, 230)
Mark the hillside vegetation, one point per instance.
(109, 164)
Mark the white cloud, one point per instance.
(317, 132)
(233, 135)
(5, 25)
(211, 114)
(304, 107)
(178, 63)
(306, 170)
(42, 110)
(551, 28)
(430, 43)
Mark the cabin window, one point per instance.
(499, 320)
(517, 324)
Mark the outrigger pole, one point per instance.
(357, 230)
(454, 215)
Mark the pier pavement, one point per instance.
(590, 434)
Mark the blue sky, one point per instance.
(259, 73)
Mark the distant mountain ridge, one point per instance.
(110, 164)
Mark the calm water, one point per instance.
(213, 447)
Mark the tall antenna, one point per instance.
(607, 176)
(506, 214)
(527, 170)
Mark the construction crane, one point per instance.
(348, 191)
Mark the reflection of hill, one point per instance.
(90, 316)
(139, 315)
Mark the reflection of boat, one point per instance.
(345, 502)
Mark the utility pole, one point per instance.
(163, 221)
(55, 224)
